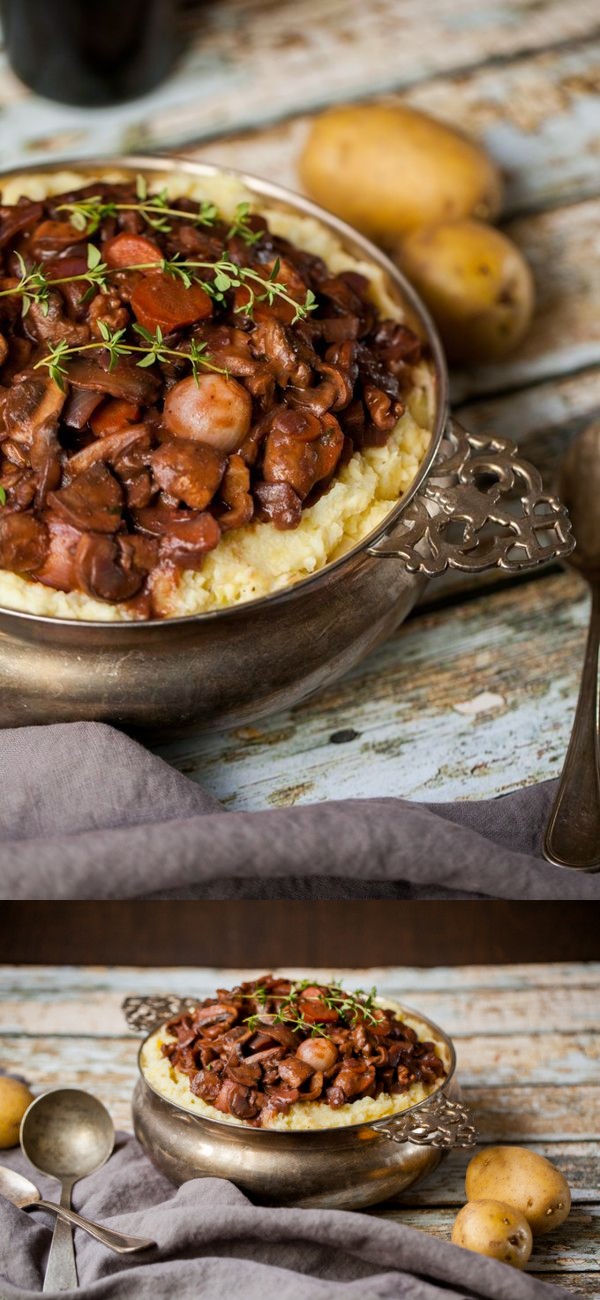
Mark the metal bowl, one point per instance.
(473, 505)
(341, 1168)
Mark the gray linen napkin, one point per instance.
(86, 812)
(213, 1243)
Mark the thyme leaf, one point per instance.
(114, 342)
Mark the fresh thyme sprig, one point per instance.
(240, 226)
(351, 1007)
(35, 286)
(86, 215)
(113, 342)
(2, 495)
(292, 1021)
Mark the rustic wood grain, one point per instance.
(536, 115)
(29, 983)
(569, 1017)
(576, 1241)
(527, 1040)
(455, 705)
(249, 63)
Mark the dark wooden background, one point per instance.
(265, 934)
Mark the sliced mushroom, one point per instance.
(23, 542)
(58, 569)
(92, 502)
(188, 471)
(108, 448)
(125, 380)
(105, 568)
(30, 405)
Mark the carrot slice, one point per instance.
(159, 299)
(114, 415)
(127, 250)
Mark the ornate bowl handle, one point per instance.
(481, 507)
(442, 1123)
(146, 1014)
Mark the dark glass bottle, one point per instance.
(91, 52)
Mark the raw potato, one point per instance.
(15, 1097)
(525, 1180)
(388, 170)
(495, 1229)
(477, 285)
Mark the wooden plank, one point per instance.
(548, 1113)
(581, 1284)
(536, 1023)
(578, 1161)
(108, 1067)
(247, 63)
(462, 702)
(62, 982)
(573, 1246)
(537, 116)
(521, 1061)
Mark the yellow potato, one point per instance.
(476, 283)
(495, 1229)
(389, 169)
(15, 1097)
(523, 1179)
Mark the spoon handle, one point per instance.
(61, 1271)
(119, 1241)
(573, 832)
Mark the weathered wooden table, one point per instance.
(475, 695)
(528, 1043)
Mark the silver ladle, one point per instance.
(68, 1134)
(573, 833)
(26, 1196)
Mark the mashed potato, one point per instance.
(175, 1085)
(258, 559)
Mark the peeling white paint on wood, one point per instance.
(248, 63)
(509, 1014)
(391, 727)
(536, 115)
(527, 1040)
(507, 1077)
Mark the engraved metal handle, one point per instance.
(481, 507)
(145, 1014)
(442, 1123)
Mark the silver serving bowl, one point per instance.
(473, 505)
(340, 1168)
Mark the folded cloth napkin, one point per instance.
(213, 1243)
(86, 812)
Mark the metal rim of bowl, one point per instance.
(227, 1127)
(348, 237)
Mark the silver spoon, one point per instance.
(67, 1134)
(573, 833)
(25, 1195)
